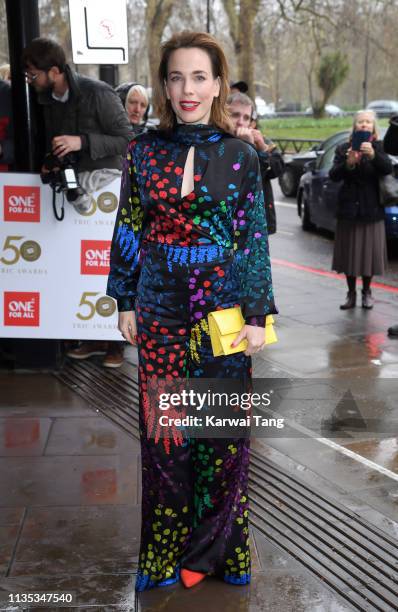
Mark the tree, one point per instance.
(332, 71)
(241, 16)
(157, 15)
(54, 23)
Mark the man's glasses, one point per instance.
(31, 77)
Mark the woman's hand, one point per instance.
(255, 337)
(259, 141)
(367, 149)
(128, 327)
(352, 157)
(245, 133)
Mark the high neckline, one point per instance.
(196, 134)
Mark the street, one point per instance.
(311, 248)
(336, 371)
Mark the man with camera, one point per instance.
(86, 128)
(86, 134)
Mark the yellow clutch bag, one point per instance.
(224, 326)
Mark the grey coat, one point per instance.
(94, 112)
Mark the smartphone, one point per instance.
(358, 137)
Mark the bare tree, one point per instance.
(276, 45)
(157, 15)
(3, 37)
(54, 23)
(241, 15)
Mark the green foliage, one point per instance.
(332, 71)
(307, 127)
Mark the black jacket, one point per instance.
(391, 138)
(271, 166)
(359, 198)
(93, 111)
(6, 127)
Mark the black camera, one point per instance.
(61, 175)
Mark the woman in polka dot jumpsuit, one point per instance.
(190, 237)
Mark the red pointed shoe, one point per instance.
(190, 578)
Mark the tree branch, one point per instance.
(233, 20)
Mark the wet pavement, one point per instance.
(70, 477)
(69, 515)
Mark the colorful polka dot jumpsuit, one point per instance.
(174, 259)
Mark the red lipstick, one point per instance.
(189, 105)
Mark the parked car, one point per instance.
(263, 109)
(294, 166)
(334, 111)
(289, 107)
(317, 194)
(383, 108)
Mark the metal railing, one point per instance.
(297, 145)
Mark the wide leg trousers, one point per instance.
(194, 490)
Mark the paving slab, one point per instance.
(89, 436)
(69, 480)
(78, 540)
(23, 437)
(32, 395)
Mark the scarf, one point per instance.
(194, 134)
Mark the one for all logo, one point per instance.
(21, 203)
(22, 308)
(95, 256)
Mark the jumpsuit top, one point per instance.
(225, 209)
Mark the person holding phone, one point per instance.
(360, 240)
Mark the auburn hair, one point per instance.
(219, 115)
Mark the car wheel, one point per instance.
(288, 183)
(306, 222)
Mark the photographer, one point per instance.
(86, 133)
(241, 108)
(85, 122)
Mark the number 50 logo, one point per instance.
(28, 250)
(104, 306)
(107, 202)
